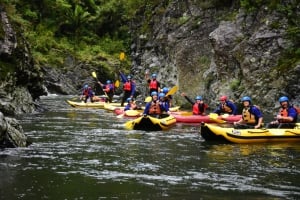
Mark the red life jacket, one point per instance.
(127, 86)
(199, 109)
(85, 92)
(153, 84)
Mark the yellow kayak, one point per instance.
(149, 123)
(216, 133)
(98, 104)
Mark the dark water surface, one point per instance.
(86, 154)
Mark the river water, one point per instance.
(86, 154)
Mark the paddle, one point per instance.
(129, 113)
(95, 76)
(148, 99)
(117, 83)
(172, 90)
(215, 118)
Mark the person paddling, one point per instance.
(226, 106)
(109, 90)
(155, 107)
(199, 107)
(128, 87)
(287, 116)
(251, 115)
(154, 84)
(87, 93)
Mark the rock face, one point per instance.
(217, 50)
(21, 82)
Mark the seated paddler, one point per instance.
(155, 107)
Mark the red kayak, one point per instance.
(211, 118)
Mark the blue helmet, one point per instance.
(161, 95)
(198, 98)
(85, 86)
(165, 90)
(283, 98)
(108, 82)
(128, 77)
(246, 98)
(153, 93)
(129, 99)
(153, 75)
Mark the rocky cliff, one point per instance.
(220, 49)
(21, 82)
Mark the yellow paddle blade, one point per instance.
(215, 118)
(148, 99)
(132, 113)
(117, 83)
(94, 74)
(172, 90)
(122, 56)
(186, 113)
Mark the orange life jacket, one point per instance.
(248, 117)
(284, 113)
(155, 108)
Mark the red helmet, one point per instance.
(223, 98)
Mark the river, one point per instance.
(86, 154)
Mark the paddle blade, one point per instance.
(148, 99)
(172, 90)
(117, 83)
(215, 117)
(122, 56)
(94, 74)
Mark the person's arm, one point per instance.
(123, 77)
(187, 98)
(258, 114)
(133, 86)
(147, 108)
(259, 122)
(292, 113)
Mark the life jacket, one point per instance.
(86, 92)
(248, 117)
(127, 86)
(109, 88)
(226, 108)
(284, 112)
(153, 85)
(199, 108)
(155, 108)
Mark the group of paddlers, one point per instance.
(160, 102)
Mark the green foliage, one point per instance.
(234, 84)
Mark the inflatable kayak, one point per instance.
(216, 133)
(149, 123)
(137, 113)
(188, 117)
(98, 104)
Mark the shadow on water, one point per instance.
(86, 154)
